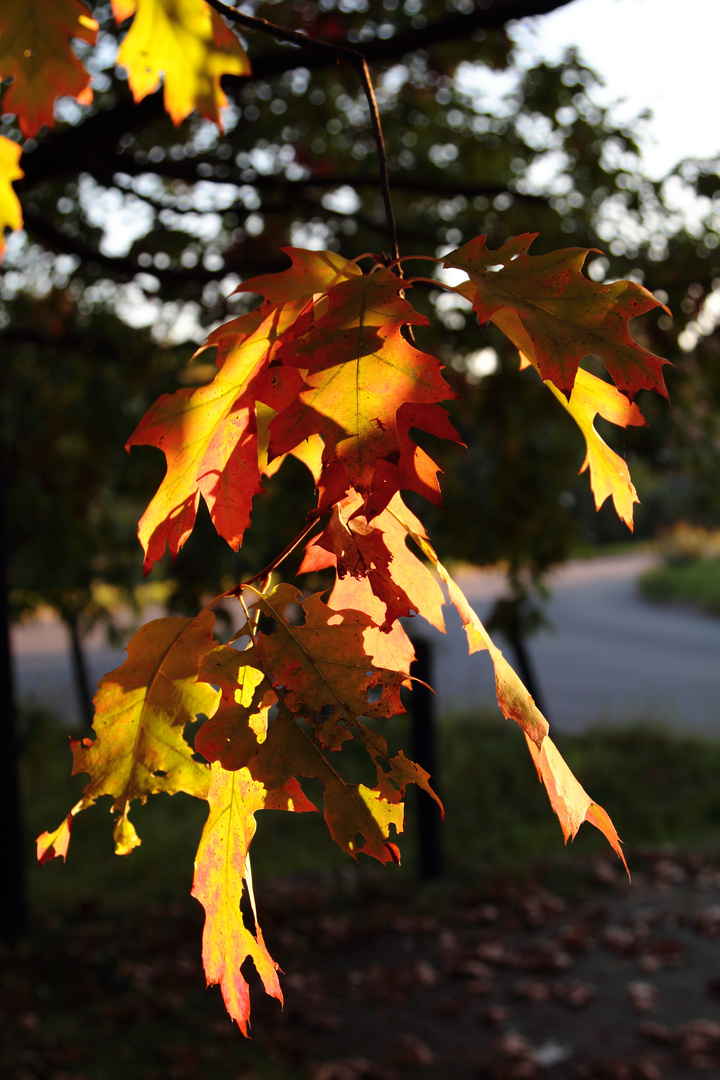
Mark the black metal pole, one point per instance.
(422, 712)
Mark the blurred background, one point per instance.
(136, 234)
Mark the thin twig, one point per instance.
(340, 52)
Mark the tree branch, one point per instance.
(338, 52)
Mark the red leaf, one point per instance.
(566, 315)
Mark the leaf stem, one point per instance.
(341, 52)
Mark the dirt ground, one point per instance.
(505, 982)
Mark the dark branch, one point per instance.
(67, 150)
(337, 52)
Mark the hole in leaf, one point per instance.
(295, 615)
(374, 694)
(160, 772)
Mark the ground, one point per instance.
(608, 981)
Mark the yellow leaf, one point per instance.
(609, 474)
(186, 43)
(221, 867)
(10, 209)
(590, 397)
(141, 709)
(35, 50)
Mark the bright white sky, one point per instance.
(657, 54)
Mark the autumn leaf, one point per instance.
(10, 209)
(240, 735)
(568, 798)
(209, 434)
(590, 397)
(373, 558)
(221, 867)
(361, 375)
(566, 316)
(609, 474)
(310, 273)
(209, 437)
(187, 44)
(141, 709)
(35, 51)
(321, 664)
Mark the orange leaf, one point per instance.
(376, 559)
(35, 51)
(361, 374)
(568, 798)
(322, 665)
(10, 209)
(221, 867)
(186, 43)
(209, 437)
(566, 315)
(209, 434)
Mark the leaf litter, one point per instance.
(388, 981)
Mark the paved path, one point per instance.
(610, 659)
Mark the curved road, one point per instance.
(610, 659)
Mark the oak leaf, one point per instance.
(373, 559)
(221, 867)
(141, 709)
(361, 375)
(566, 316)
(322, 665)
(590, 397)
(35, 51)
(187, 44)
(209, 434)
(609, 474)
(209, 437)
(568, 799)
(10, 209)
(240, 735)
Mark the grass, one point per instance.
(695, 583)
(658, 788)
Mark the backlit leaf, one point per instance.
(221, 868)
(141, 709)
(187, 44)
(590, 397)
(566, 316)
(35, 51)
(10, 209)
(362, 376)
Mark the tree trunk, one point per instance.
(81, 677)
(422, 712)
(13, 902)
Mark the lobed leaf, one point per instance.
(141, 709)
(590, 397)
(565, 315)
(35, 51)
(365, 386)
(187, 44)
(10, 208)
(568, 799)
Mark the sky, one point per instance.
(657, 54)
